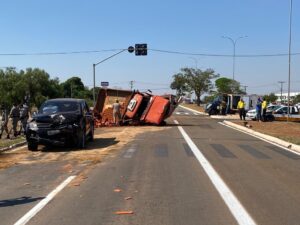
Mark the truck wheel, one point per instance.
(32, 146)
(91, 134)
(81, 139)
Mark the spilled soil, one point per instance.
(107, 142)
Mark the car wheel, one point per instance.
(91, 134)
(81, 139)
(32, 146)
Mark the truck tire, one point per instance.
(32, 146)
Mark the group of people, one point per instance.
(261, 109)
(16, 114)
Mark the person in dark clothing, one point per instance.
(24, 116)
(4, 123)
(15, 115)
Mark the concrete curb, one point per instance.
(269, 138)
(13, 146)
(193, 110)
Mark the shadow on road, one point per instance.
(18, 201)
(96, 144)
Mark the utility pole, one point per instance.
(71, 90)
(281, 84)
(290, 47)
(245, 88)
(131, 84)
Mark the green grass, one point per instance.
(293, 140)
(8, 142)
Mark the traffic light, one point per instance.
(140, 49)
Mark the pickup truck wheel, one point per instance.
(81, 139)
(91, 134)
(32, 146)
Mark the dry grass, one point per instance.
(286, 131)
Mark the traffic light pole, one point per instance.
(94, 72)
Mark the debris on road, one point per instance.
(128, 198)
(124, 212)
(117, 190)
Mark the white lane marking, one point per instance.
(178, 113)
(129, 153)
(187, 113)
(192, 110)
(28, 216)
(234, 205)
(253, 135)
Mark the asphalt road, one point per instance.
(161, 181)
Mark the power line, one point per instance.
(59, 53)
(154, 50)
(223, 55)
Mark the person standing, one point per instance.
(241, 109)
(258, 110)
(4, 122)
(116, 112)
(24, 116)
(15, 115)
(264, 109)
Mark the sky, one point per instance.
(190, 26)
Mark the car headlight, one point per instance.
(33, 125)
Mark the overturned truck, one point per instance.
(136, 107)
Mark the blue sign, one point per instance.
(105, 84)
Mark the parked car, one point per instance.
(251, 114)
(61, 122)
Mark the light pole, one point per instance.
(290, 46)
(281, 83)
(196, 61)
(234, 44)
(94, 72)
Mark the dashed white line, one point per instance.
(129, 153)
(28, 216)
(234, 205)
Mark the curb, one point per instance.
(193, 110)
(285, 144)
(11, 147)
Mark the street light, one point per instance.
(290, 46)
(196, 61)
(94, 71)
(233, 43)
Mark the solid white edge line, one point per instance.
(263, 139)
(234, 205)
(192, 110)
(29, 215)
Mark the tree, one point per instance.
(296, 99)
(270, 98)
(180, 84)
(199, 81)
(228, 86)
(73, 88)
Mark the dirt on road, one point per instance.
(107, 141)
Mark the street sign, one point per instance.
(104, 84)
(140, 49)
